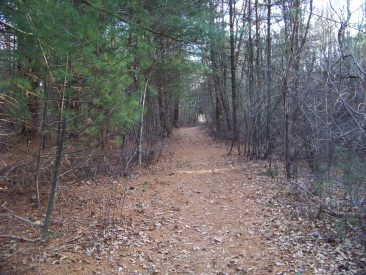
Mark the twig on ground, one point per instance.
(37, 223)
(18, 238)
(324, 209)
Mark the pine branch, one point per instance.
(13, 27)
(89, 3)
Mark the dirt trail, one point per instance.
(203, 213)
(208, 222)
(196, 211)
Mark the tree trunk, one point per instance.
(60, 143)
(176, 114)
(233, 79)
(269, 86)
(142, 102)
(41, 144)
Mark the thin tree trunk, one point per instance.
(176, 113)
(291, 81)
(219, 86)
(143, 99)
(252, 125)
(41, 145)
(233, 79)
(60, 142)
(286, 103)
(43, 123)
(269, 85)
(218, 112)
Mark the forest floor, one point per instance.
(196, 211)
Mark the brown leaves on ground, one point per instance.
(197, 211)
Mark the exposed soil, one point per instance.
(196, 211)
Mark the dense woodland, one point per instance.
(91, 87)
